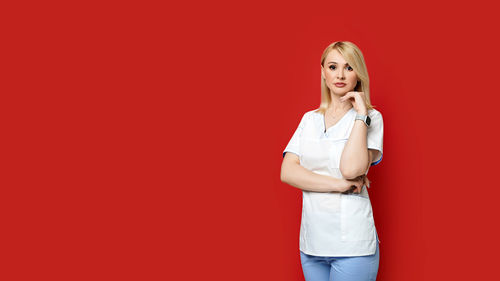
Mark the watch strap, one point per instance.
(364, 118)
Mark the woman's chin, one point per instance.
(340, 93)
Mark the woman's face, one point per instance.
(336, 70)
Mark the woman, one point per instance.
(331, 152)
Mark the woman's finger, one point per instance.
(366, 181)
(347, 96)
(359, 185)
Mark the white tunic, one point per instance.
(334, 224)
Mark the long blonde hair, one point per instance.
(353, 56)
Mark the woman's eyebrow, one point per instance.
(336, 63)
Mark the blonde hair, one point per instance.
(353, 56)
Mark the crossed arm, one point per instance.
(296, 175)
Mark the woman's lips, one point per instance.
(339, 85)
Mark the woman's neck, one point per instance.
(337, 106)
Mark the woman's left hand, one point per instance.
(357, 190)
(358, 101)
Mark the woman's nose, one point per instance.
(340, 74)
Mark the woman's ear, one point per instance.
(323, 73)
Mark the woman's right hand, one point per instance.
(354, 185)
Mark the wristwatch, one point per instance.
(365, 119)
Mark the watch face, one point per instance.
(368, 120)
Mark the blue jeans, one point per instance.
(360, 268)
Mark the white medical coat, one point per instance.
(334, 224)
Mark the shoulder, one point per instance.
(308, 115)
(373, 113)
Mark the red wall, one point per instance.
(144, 140)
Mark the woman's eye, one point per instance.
(332, 67)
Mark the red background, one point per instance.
(143, 140)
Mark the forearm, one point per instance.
(302, 178)
(355, 158)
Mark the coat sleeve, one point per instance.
(294, 143)
(375, 135)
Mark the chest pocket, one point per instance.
(315, 154)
